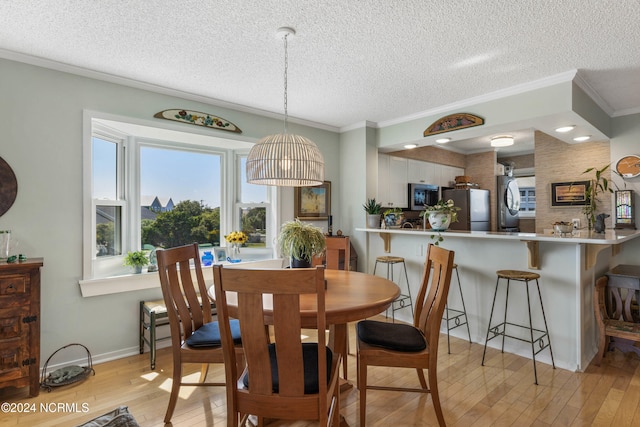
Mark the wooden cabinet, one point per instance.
(392, 181)
(20, 324)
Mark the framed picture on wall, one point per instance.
(569, 193)
(312, 203)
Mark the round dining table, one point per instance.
(350, 296)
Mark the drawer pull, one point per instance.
(29, 319)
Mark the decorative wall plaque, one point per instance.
(8, 187)
(199, 119)
(453, 122)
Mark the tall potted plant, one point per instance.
(600, 184)
(300, 242)
(372, 208)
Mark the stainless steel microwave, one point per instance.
(423, 194)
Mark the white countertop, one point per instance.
(609, 237)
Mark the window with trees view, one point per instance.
(149, 193)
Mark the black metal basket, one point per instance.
(68, 374)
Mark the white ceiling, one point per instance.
(351, 61)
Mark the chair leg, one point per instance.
(345, 352)
(493, 304)
(175, 390)
(362, 386)
(423, 381)
(435, 396)
(142, 327)
(152, 339)
(204, 370)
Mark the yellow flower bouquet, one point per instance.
(237, 237)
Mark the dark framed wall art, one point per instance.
(569, 193)
(312, 203)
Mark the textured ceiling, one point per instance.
(350, 61)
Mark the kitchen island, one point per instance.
(568, 266)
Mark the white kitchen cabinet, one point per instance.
(421, 172)
(392, 181)
(448, 175)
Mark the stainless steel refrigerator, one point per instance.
(474, 213)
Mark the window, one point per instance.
(527, 186)
(252, 208)
(152, 188)
(527, 199)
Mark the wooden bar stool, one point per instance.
(459, 317)
(403, 300)
(501, 328)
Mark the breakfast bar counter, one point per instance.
(568, 266)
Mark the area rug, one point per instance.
(119, 417)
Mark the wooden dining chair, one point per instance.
(286, 378)
(195, 337)
(409, 346)
(336, 246)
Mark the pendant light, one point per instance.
(285, 160)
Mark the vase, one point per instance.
(373, 220)
(439, 221)
(137, 269)
(235, 250)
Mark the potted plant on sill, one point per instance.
(373, 209)
(440, 216)
(137, 260)
(300, 242)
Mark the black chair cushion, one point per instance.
(208, 335)
(392, 336)
(310, 364)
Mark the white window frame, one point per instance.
(129, 186)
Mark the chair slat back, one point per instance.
(335, 246)
(281, 289)
(432, 297)
(182, 295)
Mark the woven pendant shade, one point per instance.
(285, 160)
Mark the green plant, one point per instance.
(372, 207)
(600, 184)
(136, 259)
(300, 241)
(441, 207)
(392, 211)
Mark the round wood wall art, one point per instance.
(628, 166)
(8, 186)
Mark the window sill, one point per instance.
(139, 282)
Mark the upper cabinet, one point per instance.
(394, 173)
(392, 181)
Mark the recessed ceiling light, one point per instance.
(581, 138)
(443, 140)
(564, 129)
(502, 141)
(410, 146)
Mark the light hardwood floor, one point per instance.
(500, 394)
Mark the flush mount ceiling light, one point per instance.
(410, 146)
(564, 129)
(285, 160)
(581, 138)
(502, 141)
(443, 140)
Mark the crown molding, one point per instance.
(492, 96)
(110, 78)
(591, 93)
